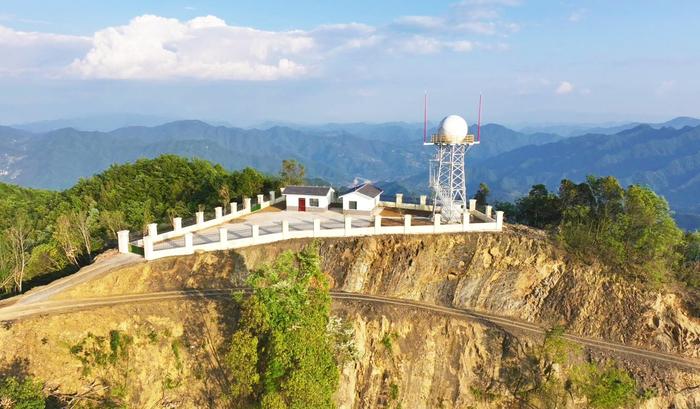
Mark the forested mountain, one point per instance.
(57, 159)
(667, 160)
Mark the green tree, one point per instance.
(606, 387)
(482, 195)
(651, 237)
(21, 394)
(282, 353)
(691, 247)
(292, 172)
(539, 208)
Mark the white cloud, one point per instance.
(565, 87)
(25, 52)
(153, 47)
(480, 17)
(418, 44)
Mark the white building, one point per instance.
(362, 199)
(308, 198)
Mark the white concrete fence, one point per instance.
(487, 224)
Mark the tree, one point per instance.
(18, 237)
(248, 182)
(112, 221)
(630, 229)
(225, 196)
(482, 195)
(21, 394)
(84, 221)
(292, 172)
(67, 239)
(606, 387)
(691, 247)
(539, 208)
(532, 380)
(651, 237)
(282, 353)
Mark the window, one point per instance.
(352, 205)
(313, 202)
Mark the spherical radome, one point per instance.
(453, 129)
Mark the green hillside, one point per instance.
(47, 234)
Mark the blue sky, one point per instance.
(320, 61)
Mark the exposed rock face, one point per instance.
(438, 361)
(519, 274)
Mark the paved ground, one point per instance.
(269, 222)
(103, 265)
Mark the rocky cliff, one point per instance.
(413, 358)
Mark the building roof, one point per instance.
(366, 189)
(307, 190)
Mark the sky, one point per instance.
(535, 62)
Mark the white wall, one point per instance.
(364, 203)
(323, 201)
(317, 231)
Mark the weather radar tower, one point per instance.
(448, 178)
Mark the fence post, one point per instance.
(153, 230)
(406, 223)
(499, 219)
(189, 243)
(177, 223)
(218, 212)
(148, 247)
(317, 227)
(436, 223)
(272, 197)
(472, 205)
(254, 231)
(489, 211)
(246, 203)
(223, 236)
(261, 199)
(377, 224)
(285, 229)
(234, 207)
(123, 238)
(465, 221)
(399, 199)
(200, 217)
(423, 200)
(348, 225)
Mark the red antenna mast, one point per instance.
(425, 117)
(478, 126)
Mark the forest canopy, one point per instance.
(44, 232)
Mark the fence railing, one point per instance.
(472, 221)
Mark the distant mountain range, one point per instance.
(577, 130)
(57, 159)
(667, 159)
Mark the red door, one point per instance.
(302, 204)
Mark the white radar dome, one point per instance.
(453, 129)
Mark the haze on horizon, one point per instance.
(308, 62)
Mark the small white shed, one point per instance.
(362, 199)
(308, 198)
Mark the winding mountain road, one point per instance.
(26, 310)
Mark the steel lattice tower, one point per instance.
(448, 182)
(448, 178)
